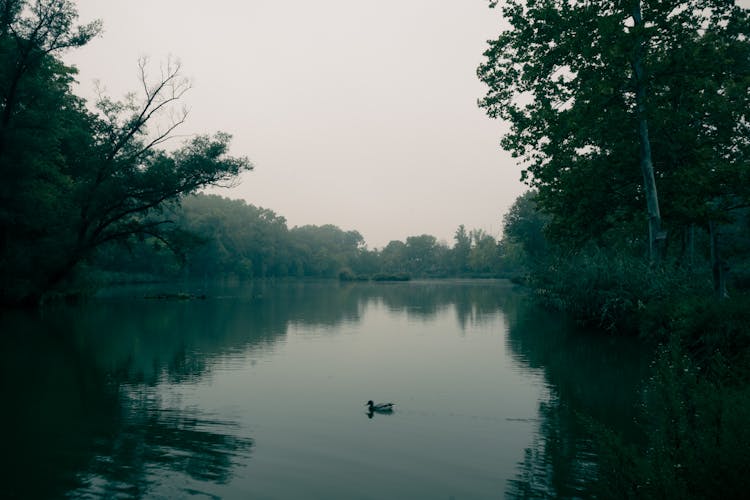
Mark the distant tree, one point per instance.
(394, 257)
(484, 256)
(421, 253)
(236, 238)
(461, 249)
(326, 250)
(367, 263)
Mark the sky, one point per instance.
(361, 114)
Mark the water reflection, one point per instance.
(84, 420)
(473, 302)
(590, 377)
(149, 442)
(371, 413)
(95, 407)
(89, 410)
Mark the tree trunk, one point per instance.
(691, 245)
(719, 267)
(656, 236)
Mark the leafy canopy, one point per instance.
(563, 77)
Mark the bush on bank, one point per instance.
(697, 438)
(696, 404)
(612, 291)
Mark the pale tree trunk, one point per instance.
(656, 236)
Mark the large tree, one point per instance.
(608, 100)
(72, 180)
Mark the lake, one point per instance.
(259, 391)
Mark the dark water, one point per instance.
(259, 392)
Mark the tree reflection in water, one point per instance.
(590, 377)
(89, 410)
(150, 438)
(93, 393)
(85, 417)
(560, 462)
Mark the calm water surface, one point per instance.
(258, 392)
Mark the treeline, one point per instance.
(630, 120)
(216, 237)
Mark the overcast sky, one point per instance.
(356, 113)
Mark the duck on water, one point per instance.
(379, 407)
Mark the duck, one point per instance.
(380, 407)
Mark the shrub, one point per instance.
(707, 328)
(391, 277)
(698, 443)
(610, 290)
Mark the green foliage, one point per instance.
(582, 84)
(563, 76)
(234, 238)
(421, 254)
(560, 77)
(324, 250)
(461, 249)
(610, 290)
(696, 404)
(347, 274)
(698, 440)
(391, 277)
(393, 257)
(524, 243)
(72, 181)
(216, 237)
(525, 223)
(713, 332)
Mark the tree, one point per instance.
(237, 239)
(583, 84)
(640, 84)
(30, 36)
(326, 250)
(703, 141)
(461, 249)
(524, 225)
(394, 257)
(484, 256)
(421, 253)
(73, 180)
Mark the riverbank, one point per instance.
(696, 402)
